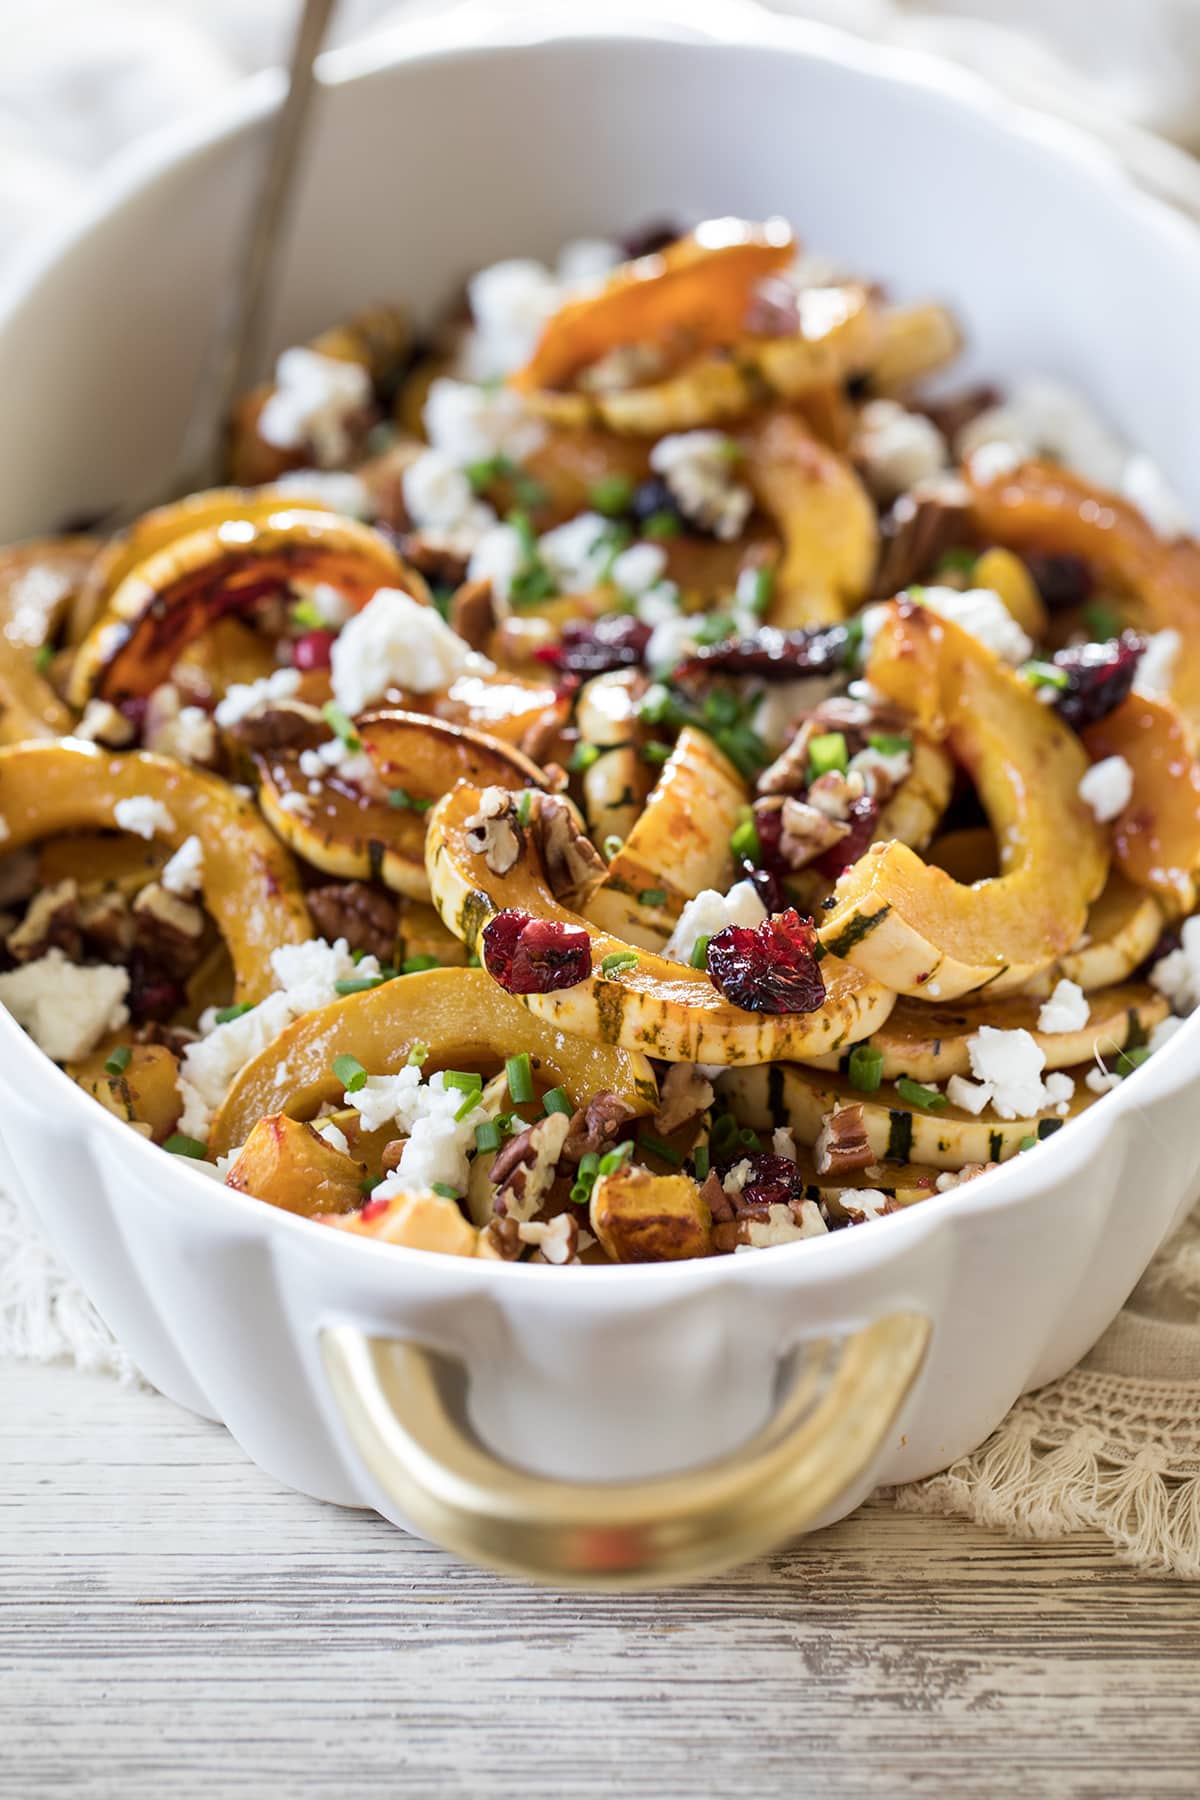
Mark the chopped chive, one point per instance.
(413, 965)
(652, 897)
(612, 844)
(701, 1160)
(959, 561)
(524, 806)
(585, 1178)
(611, 495)
(827, 754)
(887, 745)
(715, 629)
(865, 1068)
(1102, 620)
(417, 1055)
(488, 1135)
(699, 956)
(445, 1189)
(473, 960)
(481, 474)
(655, 1146)
(462, 1079)
(350, 1073)
(760, 588)
(558, 1101)
(926, 1098)
(618, 960)
(662, 525)
(178, 1144)
(1044, 674)
(43, 658)
(744, 841)
(615, 1159)
(402, 801)
(469, 1103)
(1027, 1143)
(529, 490)
(518, 1072)
(1129, 1060)
(118, 1062)
(308, 615)
(749, 1140)
(341, 724)
(655, 754)
(359, 984)
(582, 757)
(367, 1188)
(723, 1135)
(227, 1014)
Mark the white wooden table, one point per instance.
(173, 1624)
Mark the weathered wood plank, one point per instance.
(171, 1622)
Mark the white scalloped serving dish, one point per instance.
(431, 158)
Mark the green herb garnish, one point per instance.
(865, 1068)
(652, 897)
(178, 1144)
(827, 755)
(225, 1015)
(341, 725)
(518, 1072)
(654, 1146)
(402, 801)
(662, 525)
(618, 960)
(359, 984)
(582, 757)
(611, 495)
(615, 1159)
(350, 1073)
(887, 745)
(916, 1094)
(488, 1135)
(445, 1190)
(118, 1062)
(557, 1100)
(415, 965)
(699, 956)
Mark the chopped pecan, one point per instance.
(918, 531)
(556, 1240)
(168, 931)
(292, 726)
(595, 1127)
(807, 833)
(779, 1224)
(500, 1241)
(367, 918)
(952, 1178)
(542, 736)
(842, 1142)
(715, 1198)
(574, 867)
(103, 724)
(492, 832)
(956, 411)
(52, 922)
(834, 794)
(473, 613)
(393, 1150)
(523, 1173)
(18, 877)
(684, 1094)
(788, 774)
(107, 924)
(862, 1204)
(441, 560)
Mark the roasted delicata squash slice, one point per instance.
(676, 848)
(145, 1094)
(928, 1042)
(914, 811)
(1042, 506)
(1122, 929)
(41, 581)
(29, 706)
(639, 1217)
(172, 598)
(370, 825)
(527, 713)
(698, 289)
(911, 924)
(645, 1003)
(823, 515)
(913, 343)
(617, 782)
(947, 1138)
(1156, 839)
(459, 1017)
(250, 885)
(288, 1164)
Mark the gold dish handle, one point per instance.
(818, 1446)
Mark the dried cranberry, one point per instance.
(649, 239)
(1060, 578)
(596, 646)
(864, 815)
(768, 968)
(773, 655)
(152, 995)
(773, 1182)
(1099, 677)
(371, 1209)
(651, 499)
(535, 956)
(313, 650)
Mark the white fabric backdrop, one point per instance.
(79, 79)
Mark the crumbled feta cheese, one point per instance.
(396, 642)
(143, 816)
(1101, 1080)
(699, 468)
(354, 766)
(439, 498)
(299, 805)
(1156, 669)
(781, 1226)
(1067, 1009)
(991, 462)
(1177, 975)
(312, 403)
(245, 697)
(334, 1137)
(438, 1143)
(897, 448)
(1107, 788)
(1011, 1064)
(1144, 483)
(577, 553)
(882, 771)
(471, 424)
(868, 1203)
(672, 639)
(1163, 1032)
(639, 568)
(971, 1096)
(711, 912)
(657, 604)
(984, 614)
(1049, 418)
(781, 705)
(184, 872)
(585, 261)
(510, 303)
(1060, 1091)
(345, 493)
(65, 1009)
(497, 558)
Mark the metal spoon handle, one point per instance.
(232, 360)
